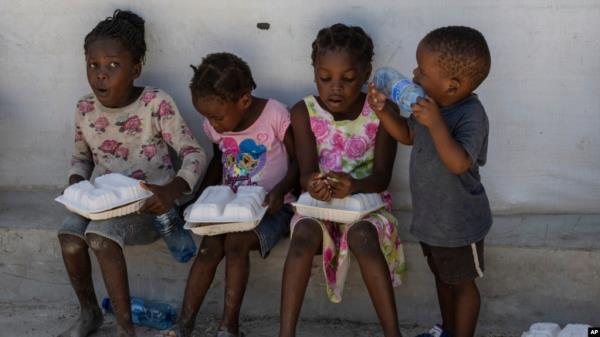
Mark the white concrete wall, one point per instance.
(542, 95)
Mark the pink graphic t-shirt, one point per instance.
(257, 155)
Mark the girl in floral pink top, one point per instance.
(125, 129)
(342, 150)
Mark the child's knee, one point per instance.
(363, 240)
(237, 244)
(100, 243)
(71, 244)
(307, 236)
(211, 249)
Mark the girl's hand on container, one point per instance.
(341, 184)
(161, 201)
(319, 188)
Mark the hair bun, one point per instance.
(129, 16)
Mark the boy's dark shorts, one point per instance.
(455, 264)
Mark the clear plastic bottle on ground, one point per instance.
(397, 87)
(179, 240)
(152, 314)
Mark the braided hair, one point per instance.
(125, 26)
(223, 75)
(463, 52)
(352, 39)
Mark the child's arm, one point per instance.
(275, 197)
(389, 116)
(213, 175)
(453, 155)
(383, 165)
(311, 179)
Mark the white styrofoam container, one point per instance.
(574, 330)
(219, 210)
(113, 213)
(542, 329)
(108, 192)
(345, 210)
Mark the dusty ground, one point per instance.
(47, 321)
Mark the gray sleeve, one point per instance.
(472, 133)
(410, 121)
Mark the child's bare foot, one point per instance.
(89, 320)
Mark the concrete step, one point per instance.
(538, 268)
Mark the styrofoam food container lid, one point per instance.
(107, 192)
(345, 210)
(220, 204)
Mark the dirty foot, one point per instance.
(179, 330)
(88, 322)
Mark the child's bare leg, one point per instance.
(445, 298)
(114, 272)
(77, 262)
(466, 308)
(306, 242)
(364, 244)
(237, 259)
(200, 277)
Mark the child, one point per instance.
(449, 133)
(252, 146)
(125, 129)
(341, 150)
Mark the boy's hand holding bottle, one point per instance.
(163, 198)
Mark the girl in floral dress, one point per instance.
(127, 129)
(341, 150)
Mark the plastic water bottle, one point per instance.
(397, 87)
(153, 314)
(179, 240)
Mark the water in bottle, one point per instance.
(397, 87)
(179, 240)
(152, 314)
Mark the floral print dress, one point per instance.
(348, 146)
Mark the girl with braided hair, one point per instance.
(122, 128)
(342, 150)
(253, 145)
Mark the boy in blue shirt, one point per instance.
(449, 133)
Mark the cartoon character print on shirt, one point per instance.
(242, 163)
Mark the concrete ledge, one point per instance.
(538, 268)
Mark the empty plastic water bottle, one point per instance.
(397, 87)
(179, 240)
(152, 314)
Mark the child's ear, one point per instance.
(136, 70)
(454, 86)
(245, 101)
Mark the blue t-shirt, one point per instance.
(450, 210)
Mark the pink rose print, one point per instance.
(85, 107)
(356, 147)
(331, 160)
(148, 97)
(165, 109)
(167, 137)
(138, 174)
(149, 151)
(100, 124)
(338, 141)
(109, 146)
(187, 150)
(320, 128)
(131, 125)
(122, 152)
(371, 130)
(327, 262)
(366, 110)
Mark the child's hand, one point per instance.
(376, 99)
(340, 183)
(274, 200)
(427, 112)
(161, 201)
(319, 188)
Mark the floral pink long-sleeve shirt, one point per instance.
(133, 140)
